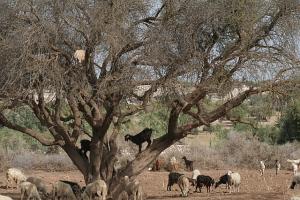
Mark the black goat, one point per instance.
(173, 178)
(207, 181)
(188, 163)
(77, 190)
(85, 147)
(140, 138)
(223, 180)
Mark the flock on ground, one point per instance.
(34, 188)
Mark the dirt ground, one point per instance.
(253, 187)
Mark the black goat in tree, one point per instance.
(85, 147)
(188, 163)
(140, 138)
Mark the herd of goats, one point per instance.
(33, 188)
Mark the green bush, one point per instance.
(290, 124)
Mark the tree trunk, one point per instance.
(142, 160)
(95, 159)
(80, 162)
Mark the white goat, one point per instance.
(29, 190)
(277, 166)
(173, 163)
(79, 55)
(196, 173)
(14, 175)
(262, 167)
(234, 180)
(295, 164)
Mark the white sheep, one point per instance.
(183, 183)
(29, 190)
(295, 164)
(40, 185)
(133, 189)
(96, 188)
(5, 198)
(62, 191)
(262, 167)
(234, 180)
(14, 175)
(79, 55)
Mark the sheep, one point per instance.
(140, 138)
(188, 163)
(75, 188)
(123, 196)
(183, 184)
(173, 178)
(277, 166)
(29, 190)
(262, 167)
(96, 189)
(85, 147)
(295, 180)
(62, 190)
(133, 189)
(79, 55)
(295, 165)
(5, 198)
(40, 184)
(234, 180)
(14, 175)
(223, 180)
(207, 181)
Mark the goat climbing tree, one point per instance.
(182, 51)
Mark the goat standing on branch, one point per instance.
(140, 138)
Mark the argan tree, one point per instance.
(184, 51)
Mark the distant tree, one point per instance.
(184, 51)
(290, 124)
